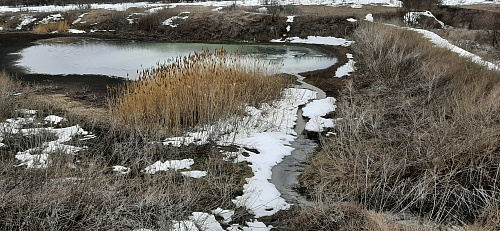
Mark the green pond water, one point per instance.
(124, 58)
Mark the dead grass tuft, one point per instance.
(60, 26)
(8, 87)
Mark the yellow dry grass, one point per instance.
(8, 86)
(195, 90)
(51, 27)
(420, 132)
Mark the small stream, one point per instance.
(285, 174)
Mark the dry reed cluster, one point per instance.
(8, 87)
(60, 26)
(420, 134)
(199, 89)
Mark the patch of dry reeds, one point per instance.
(60, 26)
(420, 132)
(8, 87)
(199, 89)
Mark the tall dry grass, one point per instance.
(60, 26)
(199, 89)
(8, 87)
(420, 132)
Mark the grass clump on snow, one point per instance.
(51, 27)
(420, 132)
(199, 89)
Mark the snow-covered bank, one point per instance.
(469, 2)
(441, 42)
(319, 40)
(126, 6)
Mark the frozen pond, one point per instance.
(124, 58)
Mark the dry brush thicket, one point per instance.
(420, 133)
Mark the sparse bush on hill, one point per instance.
(420, 132)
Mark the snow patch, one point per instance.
(289, 18)
(169, 164)
(225, 214)
(79, 19)
(317, 40)
(75, 31)
(29, 159)
(53, 119)
(218, 9)
(351, 20)
(412, 18)
(25, 20)
(26, 112)
(369, 17)
(121, 169)
(51, 18)
(194, 174)
(346, 69)
(316, 110)
(469, 2)
(262, 10)
(268, 129)
(443, 43)
(170, 21)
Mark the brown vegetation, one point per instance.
(60, 26)
(197, 90)
(81, 192)
(8, 87)
(420, 132)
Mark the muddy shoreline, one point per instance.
(92, 89)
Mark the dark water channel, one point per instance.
(285, 174)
